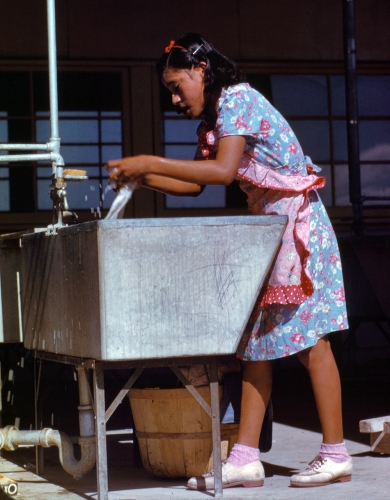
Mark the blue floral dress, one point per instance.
(303, 297)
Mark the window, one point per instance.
(314, 105)
(180, 142)
(90, 128)
(374, 137)
(4, 171)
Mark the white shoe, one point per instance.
(322, 471)
(249, 475)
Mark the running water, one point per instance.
(118, 205)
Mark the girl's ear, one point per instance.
(202, 65)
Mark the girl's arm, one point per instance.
(221, 171)
(171, 186)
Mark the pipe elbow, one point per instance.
(74, 467)
(57, 159)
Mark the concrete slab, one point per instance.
(292, 448)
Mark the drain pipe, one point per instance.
(11, 437)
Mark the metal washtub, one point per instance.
(116, 294)
(11, 330)
(143, 289)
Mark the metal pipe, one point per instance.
(355, 189)
(86, 413)
(26, 147)
(56, 158)
(51, 27)
(11, 437)
(58, 186)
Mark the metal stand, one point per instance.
(102, 415)
(100, 433)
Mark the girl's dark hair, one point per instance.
(191, 49)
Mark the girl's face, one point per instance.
(187, 89)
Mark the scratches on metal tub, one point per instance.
(224, 280)
(212, 265)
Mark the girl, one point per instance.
(242, 136)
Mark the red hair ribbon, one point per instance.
(171, 46)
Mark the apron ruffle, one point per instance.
(289, 281)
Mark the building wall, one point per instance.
(129, 35)
(243, 29)
(116, 32)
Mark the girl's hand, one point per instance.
(130, 169)
(220, 171)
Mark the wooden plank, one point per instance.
(168, 415)
(156, 457)
(383, 444)
(190, 412)
(373, 424)
(172, 451)
(148, 416)
(190, 457)
(205, 419)
(137, 415)
(31, 486)
(143, 448)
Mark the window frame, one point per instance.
(14, 221)
(141, 127)
(341, 215)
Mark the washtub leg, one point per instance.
(100, 427)
(216, 429)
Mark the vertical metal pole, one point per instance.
(100, 432)
(216, 428)
(355, 189)
(54, 139)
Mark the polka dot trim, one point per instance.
(290, 294)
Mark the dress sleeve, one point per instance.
(235, 114)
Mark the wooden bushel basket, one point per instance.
(174, 432)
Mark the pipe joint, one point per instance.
(45, 438)
(54, 145)
(85, 408)
(6, 438)
(86, 441)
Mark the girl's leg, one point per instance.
(243, 466)
(333, 462)
(256, 391)
(324, 375)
